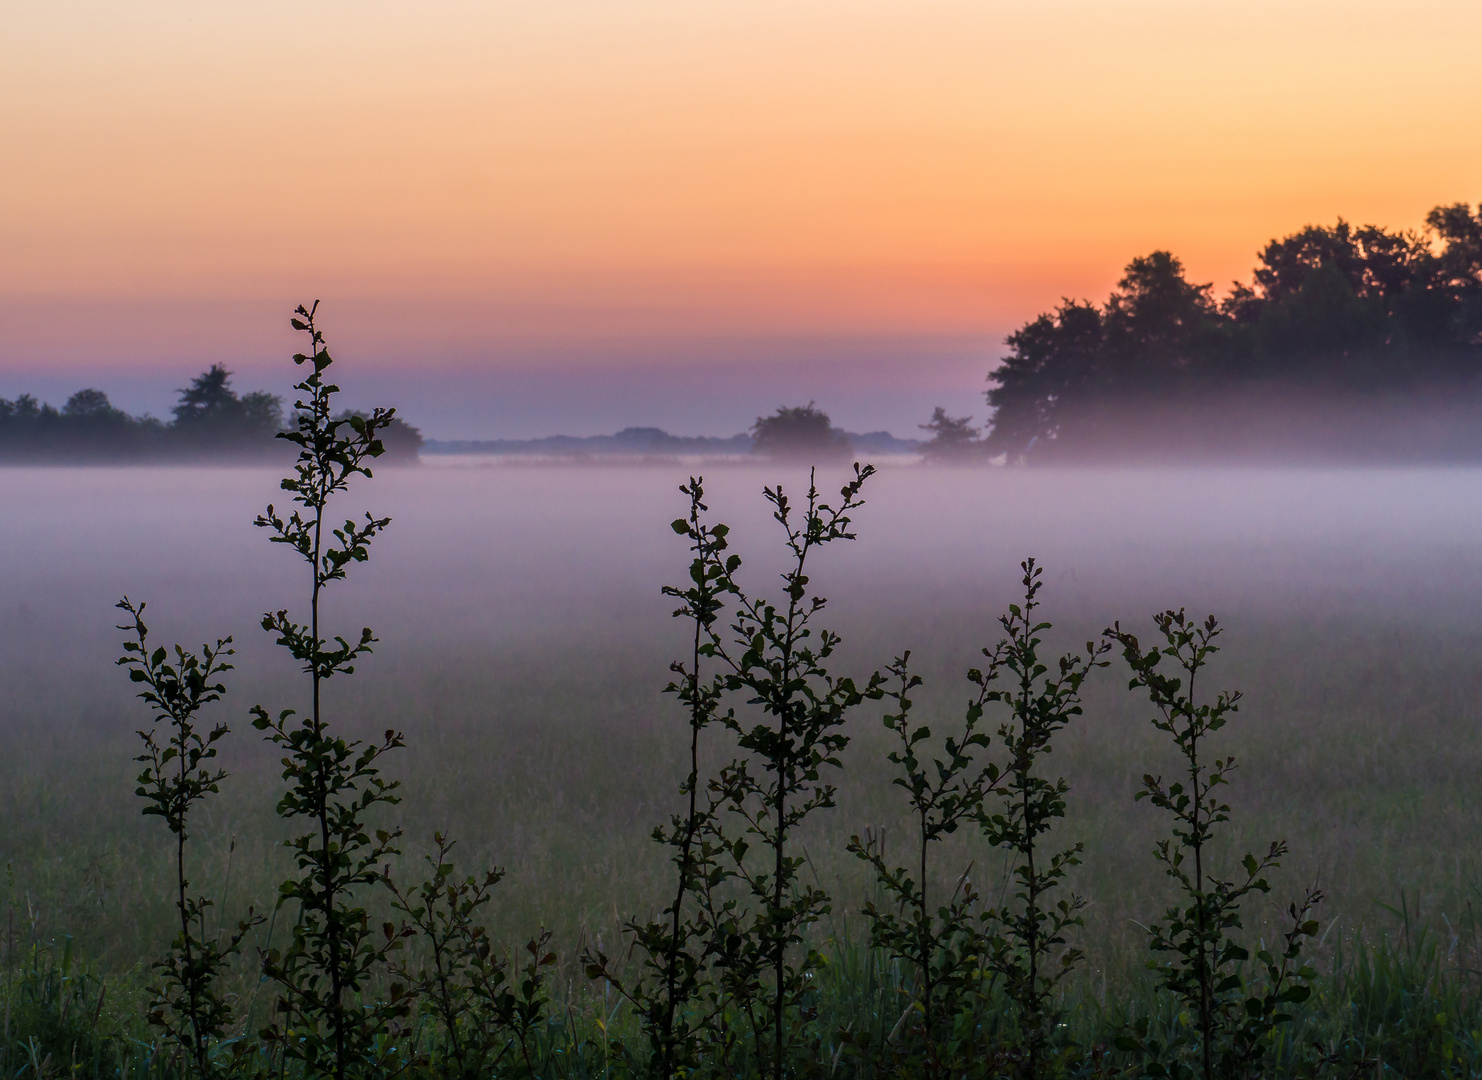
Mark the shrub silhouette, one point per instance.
(800, 433)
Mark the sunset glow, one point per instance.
(594, 172)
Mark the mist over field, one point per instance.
(524, 644)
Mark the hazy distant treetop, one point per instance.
(208, 396)
(1328, 310)
(953, 438)
(799, 433)
(91, 405)
(87, 427)
(210, 412)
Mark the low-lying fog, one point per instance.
(524, 642)
(492, 558)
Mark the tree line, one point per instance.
(1347, 342)
(210, 420)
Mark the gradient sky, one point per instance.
(572, 216)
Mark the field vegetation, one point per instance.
(899, 831)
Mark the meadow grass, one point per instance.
(524, 645)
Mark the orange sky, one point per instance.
(598, 170)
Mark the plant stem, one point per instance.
(1206, 1021)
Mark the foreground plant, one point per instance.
(1030, 932)
(775, 659)
(940, 943)
(187, 1003)
(334, 783)
(673, 996)
(463, 984)
(1197, 957)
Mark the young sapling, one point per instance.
(463, 985)
(1040, 703)
(334, 783)
(1196, 955)
(774, 656)
(946, 783)
(187, 1003)
(675, 946)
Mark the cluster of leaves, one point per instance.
(333, 782)
(187, 1001)
(963, 951)
(726, 979)
(943, 945)
(779, 662)
(965, 955)
(1032, 930)
(463, 984)
(674, 994)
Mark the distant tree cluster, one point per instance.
(87, 426)
(210, 420)
(799, 433)
(1348, 341)
(210, 415)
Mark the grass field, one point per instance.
(524, 644)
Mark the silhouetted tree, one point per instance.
(1158, 328)
(1329, 311)
(953, 438)
(800, 433)
(1054, 361)
(86, 428)
(91, 405)
(211, 416)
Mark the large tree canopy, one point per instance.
(1331, 313)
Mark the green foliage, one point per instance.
(333, 783)
(775, 658)
(188, 1002)
(400, 442)
(732, 977)
(1197, 956)
(463, 986)
(1027, 933)
(941, 944)
(59, 1017)
(675, 997)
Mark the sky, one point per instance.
(579, 215)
